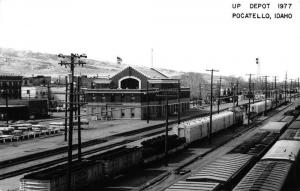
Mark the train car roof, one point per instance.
(265, 175)
(287, 118)
(192, 186)
(222, 169)
(291, 134)
(295, 125)
(283, 150)
(257, 144)
(274, 126)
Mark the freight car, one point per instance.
(274, 170)
(197, 129)
(261, 106)
(55, 179)
(86, 173)
(192, 186)
(227, 170)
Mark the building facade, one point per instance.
(10, 85)
(37, 81)
(34, 92)
(132, 92)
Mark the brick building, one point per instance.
(11, 85)
(37, 81)
(126, 95)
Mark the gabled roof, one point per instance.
(150, 73)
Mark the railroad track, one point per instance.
(63, 150)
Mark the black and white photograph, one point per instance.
(149, 95)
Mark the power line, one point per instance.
(211, 100)
(74, 60)
(249, 92)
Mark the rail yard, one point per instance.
(200, 162)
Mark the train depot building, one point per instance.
(127, 94)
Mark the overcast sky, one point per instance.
(186, 35)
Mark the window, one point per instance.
(93, 97)
(103, 98)
(112, 98)
(132, 112)
(122, 113)
(132, 98)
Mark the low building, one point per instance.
(126, 95)
(10, 85)
(36, 81)
(24, 109)
(34, 92)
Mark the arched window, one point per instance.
(130, 82)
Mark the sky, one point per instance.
(185, 35)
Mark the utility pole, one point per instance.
(219, 95)
(266, 86)
(291, 90)
(78, 117)
(275, 77)
(285, 84)
(233, 94)
(48, 96)
(200, 95)
(167, 130)
(148, 109)
(66, 109)
(6, 104)
(250, 75)
(74, 60)
(211, 101)
(237, 92)
(253, 92)
(298, 88)
(166, 95)
(178, 101)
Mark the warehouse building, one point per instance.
(126, 95)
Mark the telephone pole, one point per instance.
(78, 117)
(291, 90)
(200, 95)
(237, 92)
(219, 95)
(253, 92)
(275, 77)
(66, 109)
(178, 100)
(250, 75)
(74, 60)
(285, 84)
(266, 86)
(211, 101)
(148, 109)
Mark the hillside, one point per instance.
(27, 63)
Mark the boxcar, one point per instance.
(295, 125)
(265, 175)
(224, 170)
(192, 186)
(283, 150)
(55, 179)
(273, 126)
